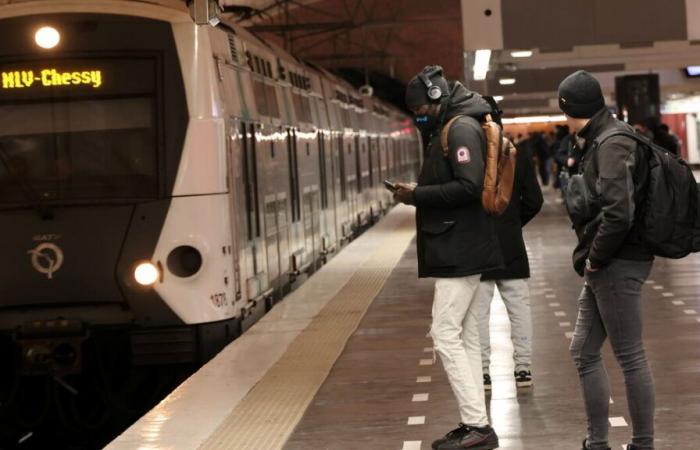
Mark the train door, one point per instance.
(275, 201)
(309, 178)
(352, 183)
(234, 177)
(361, 203)
(257, 282)
(327, 221)
(296, 229)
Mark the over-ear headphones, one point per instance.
(434, 91)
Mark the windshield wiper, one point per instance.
(44, 211)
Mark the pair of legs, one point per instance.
(610, 307)
(455, 333)
(516, 296)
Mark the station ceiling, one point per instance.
(399, 37)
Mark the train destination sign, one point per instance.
(22, 79)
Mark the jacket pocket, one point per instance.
(442, 244)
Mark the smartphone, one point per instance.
(389, 185)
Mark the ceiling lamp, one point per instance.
(481, 64)
(521, 54)
(498, 98)
(506, 81)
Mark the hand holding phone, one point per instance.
(389, 185)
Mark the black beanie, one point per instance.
(417, 91)
(580, 95)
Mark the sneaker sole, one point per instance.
(487, 446)
(523, 383)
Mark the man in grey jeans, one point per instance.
(613, 260)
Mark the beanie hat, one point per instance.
(580, 95)
(417, 91)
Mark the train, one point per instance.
(165, 180)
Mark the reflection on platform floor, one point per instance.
(385, 392)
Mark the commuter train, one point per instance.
(168, 182)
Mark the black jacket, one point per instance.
(616, 174)
(525, 203)
(455, 236)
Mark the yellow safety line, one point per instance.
(267, 416)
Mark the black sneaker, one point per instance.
(523, 378)
(585, 446)
(466, 437)
(487, 382)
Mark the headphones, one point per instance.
(434, 91)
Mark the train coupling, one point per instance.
(51, 347)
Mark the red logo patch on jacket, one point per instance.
(463, 155)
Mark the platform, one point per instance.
(305, 379)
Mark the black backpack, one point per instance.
(670, 225)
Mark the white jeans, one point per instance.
(516, 296)
(455, 333)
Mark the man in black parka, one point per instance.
(526, 201)
(456, 241)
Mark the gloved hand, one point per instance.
(404, 193)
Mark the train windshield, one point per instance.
(79, 130)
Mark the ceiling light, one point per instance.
(498, 98)
(481, 64)
(506, 81)
(534, 119)
(47, 37)
(521, 54)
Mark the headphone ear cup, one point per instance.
(434, 92)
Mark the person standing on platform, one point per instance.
(456, 241)
(525, 202)
(613, 260)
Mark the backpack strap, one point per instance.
(445, 133)
(618, 132)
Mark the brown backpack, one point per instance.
(500, 165)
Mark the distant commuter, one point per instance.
(660, 134)
(526, 201)
(613, 261)
(456, 241)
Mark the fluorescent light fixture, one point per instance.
(481, 64)
(533, 119)
(506, 81)
(498, 98)
(692, 71)
(521, 54)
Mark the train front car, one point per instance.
(116, 239)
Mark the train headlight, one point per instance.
(146, 274)
(47, 37)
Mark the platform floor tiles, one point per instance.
(386, 392)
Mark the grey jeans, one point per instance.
(516, 297)
(610, 307)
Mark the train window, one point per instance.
(273, 109)
(260, 97)
(80, 149)
(341, 168)
(257, 64)
(269, 69)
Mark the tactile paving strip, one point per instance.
(267, 416)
